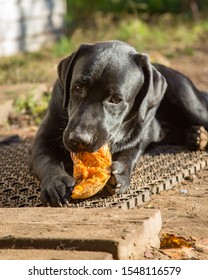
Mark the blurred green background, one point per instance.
(170, 27)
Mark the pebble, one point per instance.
(183, 191)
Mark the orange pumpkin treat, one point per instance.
(91, 172)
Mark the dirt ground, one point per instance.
(185, 208)
(184, 214)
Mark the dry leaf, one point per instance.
(168, 240)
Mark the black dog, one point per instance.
(109, 93)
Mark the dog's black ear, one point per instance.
(153, 88)
(65, 70)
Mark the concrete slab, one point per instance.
(125, 234)
(35, 254)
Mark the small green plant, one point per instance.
(32, 107)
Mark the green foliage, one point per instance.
(162, 6)
(128, 28)
(33, 107)
(62, 47)
(80, 10)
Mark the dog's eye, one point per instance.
(115, 99)
(78, 88)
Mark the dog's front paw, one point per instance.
(197, 138)
(56, 190)
(120, 178)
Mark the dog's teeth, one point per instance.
(115, 172)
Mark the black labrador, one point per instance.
(107, 92)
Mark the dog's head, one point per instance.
(106, 85)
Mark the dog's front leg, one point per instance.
(47, 163)
(49, 160)
(125, 161)
(122, 166)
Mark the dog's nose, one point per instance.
(80, 141)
